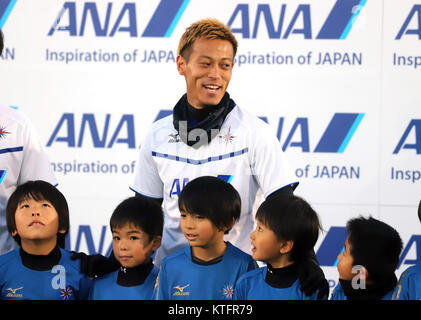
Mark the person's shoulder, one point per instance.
(253, 274)
(14, 115)
(175, 257)
(247, 118)
(9, 258)
(163, 122)
(236, 252)
(338, 293)
(412, 272)
(68, 262)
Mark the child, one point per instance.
(38, 219)
(208, 268)
(287, 229)
(367, 265)
(409, 285)
(136, 225)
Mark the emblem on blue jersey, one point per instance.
(226, 137)
(180, 290)
(66, 293)
(228, 292)
(3, 132)
(12, 293)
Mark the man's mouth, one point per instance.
(36, 223)
(212, 87)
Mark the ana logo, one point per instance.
(180, 291)
(228, 292)
(337, 25)
(13, 294)
(404, 30)
(3, 132)
(415, 127)
(226, 137)
(6, 7)
(161, 25)
(66, 293)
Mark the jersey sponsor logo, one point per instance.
(116, 16)
(228, 291)
(226, 136)
(12, 293)
(66, 293)
(3, 132)
(6, 7)
(180, 290)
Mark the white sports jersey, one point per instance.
(22, 158)
(244, 153)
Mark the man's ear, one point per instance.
(181, 65)
(286, 246)
(14, 233)
(156, 242)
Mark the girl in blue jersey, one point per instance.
(367, 265)
(136, 226)
(38, 219)
(208, 268)
(287, 230)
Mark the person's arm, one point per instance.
(159, 201)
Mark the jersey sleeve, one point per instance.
(405, 287)
(160, 291)
(268, 162)
(147, 181)
(35, 163)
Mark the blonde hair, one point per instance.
(209, 29)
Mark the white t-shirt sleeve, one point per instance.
(147, 180)
(35, 163)
(268, 162)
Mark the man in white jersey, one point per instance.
(208, 134)
(22, 158)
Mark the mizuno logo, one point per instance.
(13, 294)
(180, 291)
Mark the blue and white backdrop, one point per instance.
(338, 81)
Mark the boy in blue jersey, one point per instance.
(367, 265)
(136, 225)
(208, 267)
(409, 285)
(287, 230)
(38, 219)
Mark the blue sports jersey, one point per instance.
(252, 286)
(64, 282)
(409, 285)
(182, 279)
(339, 294)
(107, 288)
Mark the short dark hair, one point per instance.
(291, 218)
(375, 245)
(1, 42)
(39, 190)
(211, 198)
(141, 212)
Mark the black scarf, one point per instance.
(130, 277)
(210, 125)
(40, 262)
(372, 291)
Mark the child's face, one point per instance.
(199, 231)
(132, 247)
(345, 263)
(36, 220)
(265, 244)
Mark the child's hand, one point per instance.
(96, 265)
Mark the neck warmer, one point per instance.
(373, 291)
(130, 277)
(281, 277)
(209, 122)
(40, 262)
